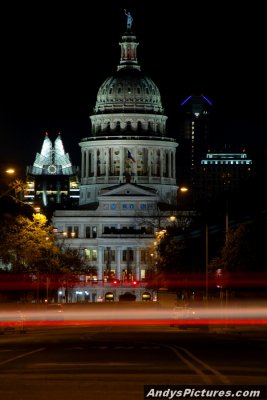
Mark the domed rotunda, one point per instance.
(128, 140)
(127, 171)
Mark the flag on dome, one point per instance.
(130, 156)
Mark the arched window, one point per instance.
(118, 126)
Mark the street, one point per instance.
(115, 362)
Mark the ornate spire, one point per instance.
(128, 47)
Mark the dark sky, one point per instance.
(55, 55)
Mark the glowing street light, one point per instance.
(10, 171)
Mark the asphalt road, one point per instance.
(115, 362)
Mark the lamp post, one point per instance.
(17, 185)
(207, 262)
(226, 221)
(182, 205)
(5, 182)
(183, 190)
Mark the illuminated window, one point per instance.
(94, 231)
(94, 255)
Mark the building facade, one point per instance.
(223, 173)
(128, 169)
(195, 126)
(52, 179)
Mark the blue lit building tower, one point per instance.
(194, 137)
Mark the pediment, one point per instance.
(127, 189)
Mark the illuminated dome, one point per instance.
(128, 102)
(129, 90)
(128, 141)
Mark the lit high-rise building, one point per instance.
(52, 179)
(194, 136)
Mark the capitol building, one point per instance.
(127, 185)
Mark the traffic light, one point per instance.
(134, 283)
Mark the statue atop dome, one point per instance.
(129, 19)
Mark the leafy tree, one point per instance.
(34, 261)
(179, 258)
(26, 242)
(242, 260)
(72, 265)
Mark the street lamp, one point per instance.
(17, 185)
(182, 190)
(207, 262)
(5, 182)
(10, 171)
(227, 232)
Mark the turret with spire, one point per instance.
(128, 48)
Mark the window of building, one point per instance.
(118, 126)
(143, 274)
(69, 231)
(149, 229)
(87, 232)
(127, 255)
(94, 255)
(94, 232)
(109, 255)
(72, 231)
(113, 206)
(90, 254)
(76, 231)
(143, 256)
(106, 229)
(143, 206)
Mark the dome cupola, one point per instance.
(128, 102)
(128, 141)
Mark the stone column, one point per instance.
(169, 164)
(118, 262)
(137, 264)
(100, 264)
(95, 162)
(107, 164)
(161, 163)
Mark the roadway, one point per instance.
(115, 362)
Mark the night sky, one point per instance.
(55, 55)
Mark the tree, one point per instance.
(33, 260)
(24, 249)
(242, 260)
(72, 266)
